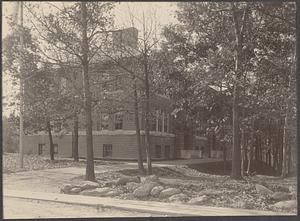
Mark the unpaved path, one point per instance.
(32, 209)
(49, 180)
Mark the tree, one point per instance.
(45, 103)
(73, 35)
(206, 36)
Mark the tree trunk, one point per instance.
(138, 134)
(90, 173)
(242, 152)
(286, 133)
(50, 141)
(75, 139)
(224, 156)
(236, 156)
(147, 116)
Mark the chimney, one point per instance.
(126, 37)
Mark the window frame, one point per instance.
(107, 153)
(40, 148)
(158, 153)
(55, 148)
(119, 125)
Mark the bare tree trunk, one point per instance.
(138, 134)
(242, 152)
(236, 156)
(90, 173)
(50, 140)
(75, 138)
(147, 114)
(286, 134)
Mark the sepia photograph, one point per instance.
(149, 109)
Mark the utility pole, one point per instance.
(21, 152)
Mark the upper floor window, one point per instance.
(104, 121)
(152, 120)
(159, 118)
(166, 122)
(118, 121)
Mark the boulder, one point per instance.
(198, 200)
(96, 192)
(144, 190)
(156, 191)
(86, 185)
(65, 188)
(75, 190)
(113, 193)
(263, 190)
(210, 192)
(280, 196)
(290, 204)
(131, 186)
(181, 197)
(169, 192)
(126, 179)
(151, 178)
(109, 183)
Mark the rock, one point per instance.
(131, 186)
(169, 192)
(263, 190)
(151, 178)
(96, 192)
(156, 191)
(198, 200)
(75, 190)
(144, 190)
(181, 197)
(109, 183)
(292, 189)
(65, 188)
(114, 193)
(280, 196)
(126, 179)
(86, 185)
(290, 204)
(209, 192)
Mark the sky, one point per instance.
(164, 13)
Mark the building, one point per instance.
(114, 132)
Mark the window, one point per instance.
(152, 119)
(40, 148)
(157, 151)
(55, 147)
(107, 150)
(104, 121)
(159, 120)
(166, 122)
(118, 121)
(167, 151)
